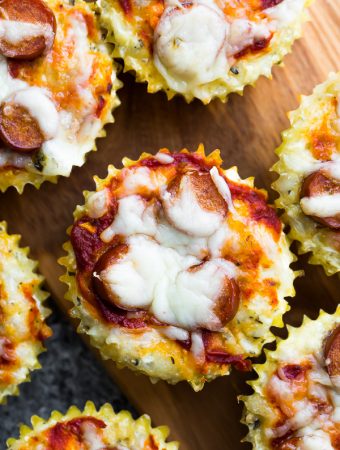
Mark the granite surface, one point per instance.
(70, 375)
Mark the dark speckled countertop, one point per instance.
(70, 375)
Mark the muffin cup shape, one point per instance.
(246, 268)
(253, 43)
(63, 97)
(311, 145)
(294, 389)
(92, 427)
(23, 314)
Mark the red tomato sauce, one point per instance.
(258, 46)
(62, 433)
(215, 353)
(126, 6)
(260, 211)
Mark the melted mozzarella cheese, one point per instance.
(304, 417)
(154, 273)
(332, 167)
(78, 34)
(14, 32)
(97, 203)
(185, 212)
(91, 438)
(164, 158)
(8, 84)
(304, 414)
(157, 278)
(139, 178)
(191, 298)
(222, 187)
(316, 440)
(321, 205)
(133, 216)
(40, 107)
(190, 44)
(285, 12)
(195, 44)
(175, 333)
(197, 346)
(14, 159)
(135, 277)
(244, 33)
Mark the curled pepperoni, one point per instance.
(203, 188)
(332, 355)
(226, 306)
(35, 24)
(190, 197)
(226, 303)
(112, 256)
(18, 129)
(319, 183)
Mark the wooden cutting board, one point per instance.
(247, 130)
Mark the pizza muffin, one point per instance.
(22, 315)
(203, 48)
(92, 430)
(177, 268)
(309, 175)
(296, 403)
(58, 87)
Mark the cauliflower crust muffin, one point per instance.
(177, 268)
(309, 175)
(22, 315)
(296, 403)
(92, 430)
(58, 88)
(203, 48)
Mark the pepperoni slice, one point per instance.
(186, 190)
(35, 24)
(332, 355)
(112, 256)
(204, 189)
(319, 183)
(226, 306)
(18, 129)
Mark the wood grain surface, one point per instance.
(247, 130)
